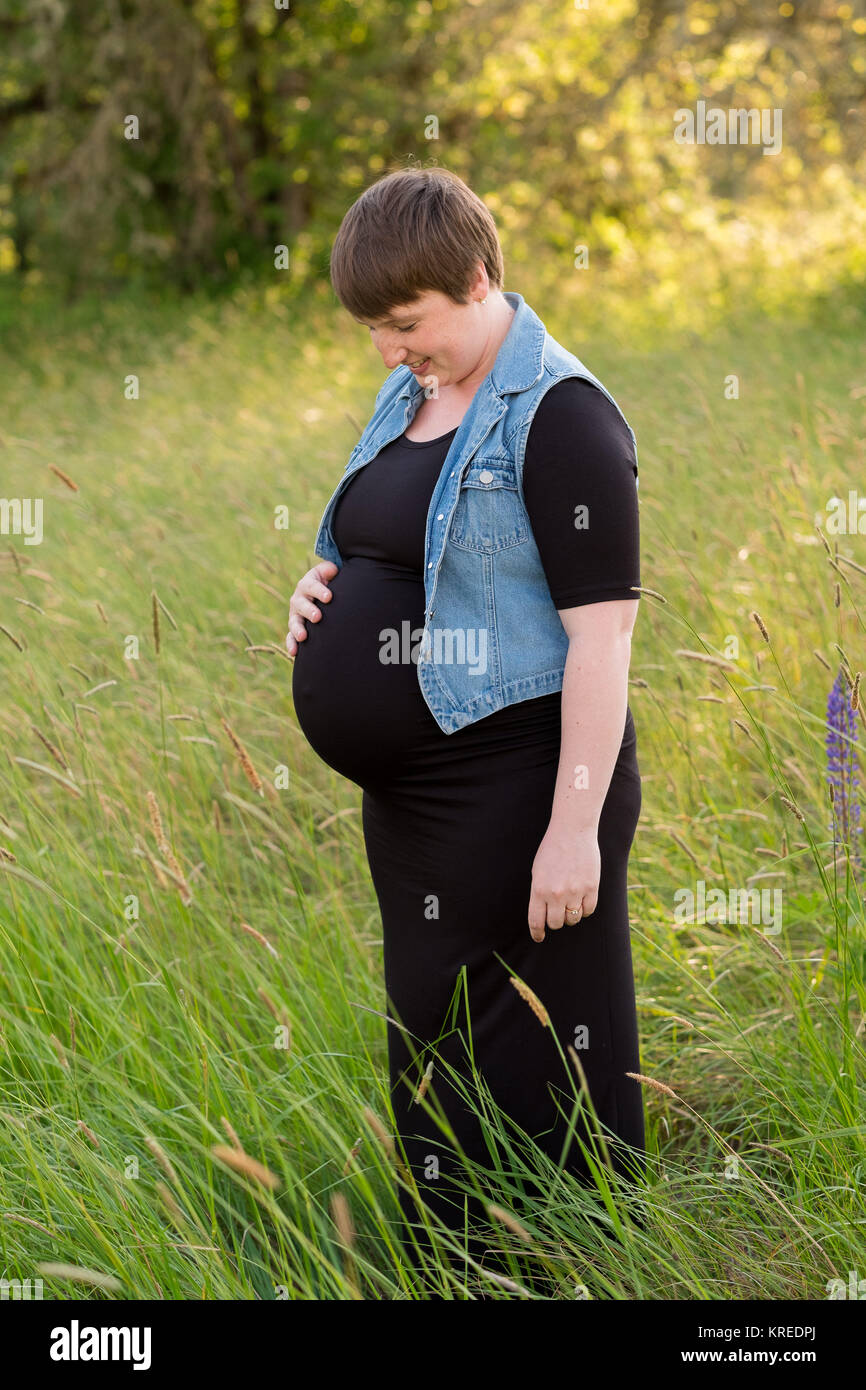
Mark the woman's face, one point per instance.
(446, 340)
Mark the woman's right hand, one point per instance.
(301, 606)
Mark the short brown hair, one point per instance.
(413, 230)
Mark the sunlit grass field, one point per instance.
(193, 1074)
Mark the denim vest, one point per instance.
(498, 637)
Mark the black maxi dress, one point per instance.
(452, 822)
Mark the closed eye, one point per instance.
(408, 329)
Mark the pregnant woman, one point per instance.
(462, 654)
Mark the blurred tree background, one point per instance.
(260, 121)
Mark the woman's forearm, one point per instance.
(594, 707)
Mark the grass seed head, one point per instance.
(532, 1000)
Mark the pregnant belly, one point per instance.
(355, 676)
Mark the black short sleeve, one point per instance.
(580, 486)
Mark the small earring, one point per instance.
(484, 300)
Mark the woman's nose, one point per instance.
(392, 353)
(393, 356)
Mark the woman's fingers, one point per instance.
(303, 608)
(297, 628)
(311, 588)
(561, 915)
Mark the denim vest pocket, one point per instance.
(489, 514)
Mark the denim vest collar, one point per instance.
(499, 637)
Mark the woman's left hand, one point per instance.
(565, 873)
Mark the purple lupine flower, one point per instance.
(843, 769)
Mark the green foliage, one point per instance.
(259, 126)
(118, 1030)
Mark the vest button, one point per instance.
(486, 476)
(430, 565)
(441, 516)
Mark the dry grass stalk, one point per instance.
(380, 1132)
(169, 1200)
(172, 868)
(53, 750)
(353, 1154)
(59, 1049)
(11, 637)
(281, 1015)
(156, 866)
(510, 1222)
(252, 776)
(165, 610)
(653, 593)
(79, 1275)
(155, 621)
(162, 1159)
(176, 875)
(243, 1163)
(259, 936)
(684, 847)
(232, 1134)
(705, 657)
(155, 820)
(846, 668)
(269, 647)
(424, 1083)
(86, 1130)
(760, 621)
(342, 1218)
(771, 1148)
(791, 807)
(64, 477)
(343, 1222)
(502, 1280)
(650, 1081)
(28, 1221)
(532, 1000)
(746, 730)
(767, 942)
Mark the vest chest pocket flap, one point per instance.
(489, 514)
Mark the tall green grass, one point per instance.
(143, 1028)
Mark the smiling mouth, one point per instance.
(416, 366)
